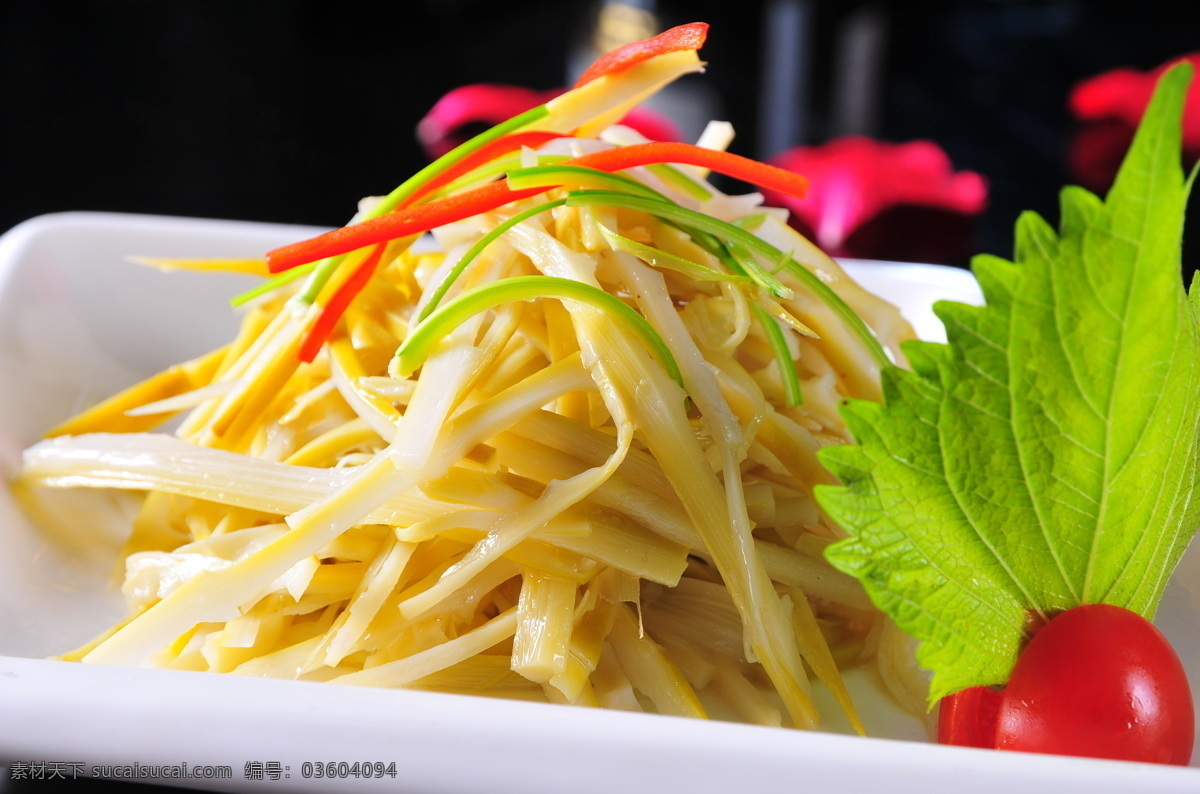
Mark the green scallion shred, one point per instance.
(410, 186)
(555, 175)
(417, 347)
(656, 257)
(691, 220)
(477, 249)
(285, 277)
(783, 357)
(751, 222)
(676, 178)
(755, 245)
(495, 168)
(539, 176)
(326, 267)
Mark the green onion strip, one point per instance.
(755, 245)
(326, 267)
(676, 178)
(429, 332)
(504, 165)
(783, 356)
(477, 249)
(656, 257)
(286, 277)
(557, 175)
(537, 176)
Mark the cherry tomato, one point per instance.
(968, 718)
(1099, 681)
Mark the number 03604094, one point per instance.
(347, 769)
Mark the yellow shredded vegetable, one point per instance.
(541, 511)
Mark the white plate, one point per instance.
(77, 322)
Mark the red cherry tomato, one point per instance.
(968, 718)
(1099, 681)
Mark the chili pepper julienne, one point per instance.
(683, 37)
(333, 310)
(423, 217)
(481, 156)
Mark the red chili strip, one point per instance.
(684, 37)
(413, 220)
(481, 156)
(423, 217)
(734, 165)
(332, 311)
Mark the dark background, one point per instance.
(290, 111)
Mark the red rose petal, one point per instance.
(857, 180)
(1123, 94)
(482, 104)
(1110, 107)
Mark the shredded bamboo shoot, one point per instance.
(595, 488)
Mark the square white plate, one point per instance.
(78, 321)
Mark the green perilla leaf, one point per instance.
(1047, 456)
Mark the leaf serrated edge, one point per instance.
(1000, 280)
